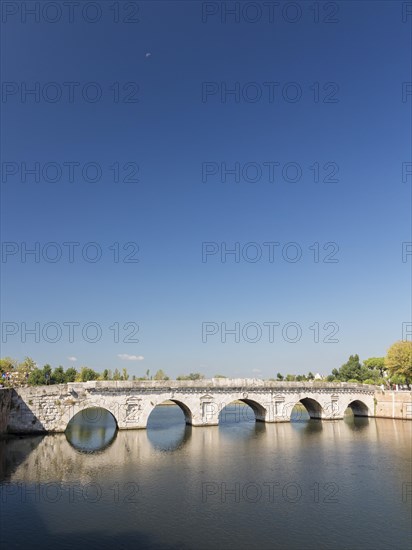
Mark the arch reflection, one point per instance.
(241, 419)
(299, 414)
(354, 422)
(167, 429)
(91, 430)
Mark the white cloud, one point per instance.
(148, 54)
(72, 358)
(127, 357)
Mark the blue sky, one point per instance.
(337, 101)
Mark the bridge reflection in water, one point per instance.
(95, 429)
(145, 488)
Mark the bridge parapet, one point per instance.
(219, 383)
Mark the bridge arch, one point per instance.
(359, 408)
(312, 406)
(259, 411)
(187, 412)
(91, 413)
(257, 408)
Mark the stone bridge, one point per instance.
(50, 408)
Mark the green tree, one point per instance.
(40, 377)
(290, 378)
(117, 375)
(311, 376)
(353, 370)
(22, 371)
(47, 371)
(191, 376)
(105, 374)
(7, 364)
(398, 379)
(36, 378)
(160, 375)
(195, 376)
(71, 374)
(29, 364)
(375, 363)
(398, 360)
(279, 376)
(125, 375)
(87, 374)
(219, 376)
(58, 376)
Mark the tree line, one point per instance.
(27, 372)
(394, 368)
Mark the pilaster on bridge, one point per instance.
(50, 408)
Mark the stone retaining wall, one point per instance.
(393, 404)
(5, 402)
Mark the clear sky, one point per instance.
(169, 125)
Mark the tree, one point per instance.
(29, 364)
(398, 360)
(219, 376)
(311, 376)
(353, 370)
(105, 374)
(47, 371)
(195, 376)
(375, 363)
(398, 379)
(125, 375)
(40, 377)
(22, 371)
(58, 376)
(290, 378)
(87, 374)
(160, 375)
(7, 364)
(71, 374)
(117, 375)
(279, 376)
(191, 376)
(36, 378)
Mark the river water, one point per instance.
(308, 484)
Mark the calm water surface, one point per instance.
(301, 485)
